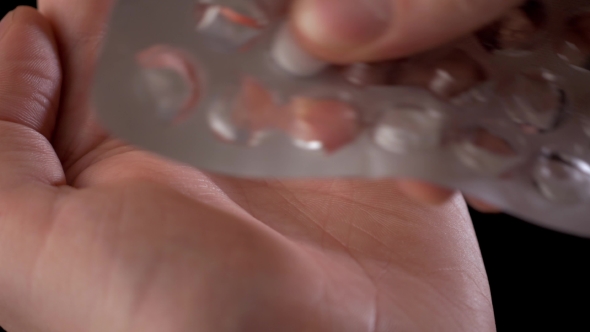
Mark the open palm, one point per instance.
(98, 236)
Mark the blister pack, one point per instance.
(502, 114)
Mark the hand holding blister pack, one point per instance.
(502, 114)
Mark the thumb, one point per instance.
(346, 31)
(30, 78)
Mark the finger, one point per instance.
(30, 78)
(482, 206)
(79, 29)
(424, 192)
(365, 30)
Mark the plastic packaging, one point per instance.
(502, 114)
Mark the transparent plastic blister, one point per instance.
(502, 114)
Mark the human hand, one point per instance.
(348, 31)
(98, 236)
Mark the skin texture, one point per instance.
(98, 236)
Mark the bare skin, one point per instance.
(98, 236)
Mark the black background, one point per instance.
(540, 280)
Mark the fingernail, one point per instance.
(5, 23)
(290, 56)
(343, 24)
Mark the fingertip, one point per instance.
(482, 206)
(30, 73)
(346, 31)
(335, 30)
(30, 78)
(425, 192)
(5, 24)
(26, 15)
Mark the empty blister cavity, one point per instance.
(247, 114)
(244, 114)
(169, 78)
(485, 152)
(562, 178)
(574, 46)
(533, 100)
(518, 31)
(447, 75)
(407, 129)
(467, 116)
(229, 28)
(322, 123)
